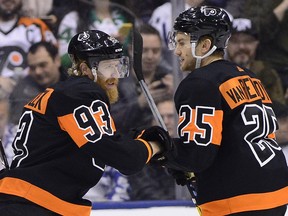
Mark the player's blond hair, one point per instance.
(74, 70)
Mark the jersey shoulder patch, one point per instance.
(27, 21)
(39, 103)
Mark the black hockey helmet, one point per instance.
(94, 44)
(205, 20)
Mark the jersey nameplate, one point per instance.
(244, 89)
(39, 103)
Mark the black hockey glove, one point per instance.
(158, 134)
(181, 177)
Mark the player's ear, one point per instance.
(206, 45)
(85, 70)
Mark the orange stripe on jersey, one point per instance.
(249, 202)
(272, 136)
(79, 133)
(68, 124)
(243, 89)
(217, 128)
(21, 188)
(149, 148)
(39, 103)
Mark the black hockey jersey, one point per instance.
(65, 138)
(227, 137)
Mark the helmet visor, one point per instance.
(177, 39)
(171, 40)
(116, 68)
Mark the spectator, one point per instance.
(113, 186)
(235, 7)
(37, 8)
(17, 34)
(144, 9)
(44, 71)
(168, 113)
(281, 112)
(43, 10)
(217, 3)
(270, 18)
(4, 115)
(100, 15)
(161, 19)
(154, 182)
(132, 109)
(58, 11)
(167, 110)
(242, 48)
(4, 110)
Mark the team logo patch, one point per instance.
(208, 11)
(16, 58)
(83, 36)
(113, 40)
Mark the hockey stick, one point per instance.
(137, 65)
(3, 158)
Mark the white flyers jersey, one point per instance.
(161, 19)
(67, 29)
(14, 45)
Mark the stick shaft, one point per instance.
(3, 157)
(161, 123)
(152, 104)
(137, 65)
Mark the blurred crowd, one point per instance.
(34, 36)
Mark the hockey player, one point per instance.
(226, 123)
(66, 135)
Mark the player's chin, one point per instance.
(113, 95)
(185, 67)
(182, 66)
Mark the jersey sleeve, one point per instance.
(92, 129)
(198, 103)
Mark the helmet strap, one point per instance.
(199, 58)
(94, 73)
(76, 72)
